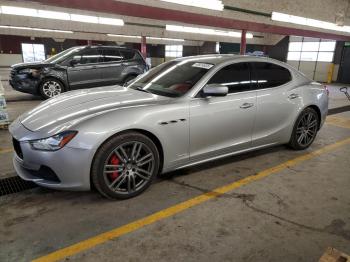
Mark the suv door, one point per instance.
(277, 103)
(221, 125)
(85, 72)
(112, 66)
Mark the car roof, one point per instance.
(108, 46)
(221, 58)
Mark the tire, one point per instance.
(128, 79)
(305, 129)
(51, 87)
(122, 175)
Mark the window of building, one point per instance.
(306, 49)
(33, 52)
(173, 50)
(217, 47)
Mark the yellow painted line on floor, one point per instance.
(5, 150)
(173, 210)
(338, 121)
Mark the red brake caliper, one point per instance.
(114, 160)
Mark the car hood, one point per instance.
(31, 65)
(73, 106)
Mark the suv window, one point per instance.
(89, 56)
(236, 77)
(127, 54)
(111, 55)
(268, 75)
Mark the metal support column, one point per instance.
(243, 42)
(143, 47)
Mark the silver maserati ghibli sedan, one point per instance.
(181, 113)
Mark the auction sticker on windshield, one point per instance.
(203, 65)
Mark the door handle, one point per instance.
(293, 96)
(246, 105)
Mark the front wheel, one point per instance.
(305, 129)
(125, 166)
(51, 87)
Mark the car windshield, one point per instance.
(172, 79)
(63, 55)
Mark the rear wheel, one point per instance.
(51, 87)
(305, 129)
(125, 166)
(129, 78)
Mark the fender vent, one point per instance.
(14, 184)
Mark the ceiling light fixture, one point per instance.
(36, 29)
(14, 10)
(208, 4)
(205, 31)
(165, 39)
(53, 15)
(125, 36)
(148, 37)
(84, 18)
(281, 17)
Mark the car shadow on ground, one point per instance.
(93, 195)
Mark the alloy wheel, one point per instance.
(307, 129)
(129, 167)
(51, 88)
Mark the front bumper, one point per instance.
(24, 83)
(71, 166)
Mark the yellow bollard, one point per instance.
(330, 73)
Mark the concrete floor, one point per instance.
(293, 214)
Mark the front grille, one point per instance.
(12, 73)
(17, 147)
(14, 184)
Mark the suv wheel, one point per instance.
(125, 166)
(51, 87)
(128, 79)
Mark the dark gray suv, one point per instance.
(78, 67)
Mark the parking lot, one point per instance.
(270, 205)
(175, 130)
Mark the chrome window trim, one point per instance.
(199, 86)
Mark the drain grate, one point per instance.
(14, 184)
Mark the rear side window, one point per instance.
(236, 77)
(268, 75)
(111, 55)
(127, 54)
(90, 56)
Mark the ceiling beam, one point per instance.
(163, 14)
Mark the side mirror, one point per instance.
(74, 61)
(214, 90)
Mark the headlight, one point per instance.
(34, 72)
(53, 143)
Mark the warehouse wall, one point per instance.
(315, 70)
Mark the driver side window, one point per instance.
(236, 77)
